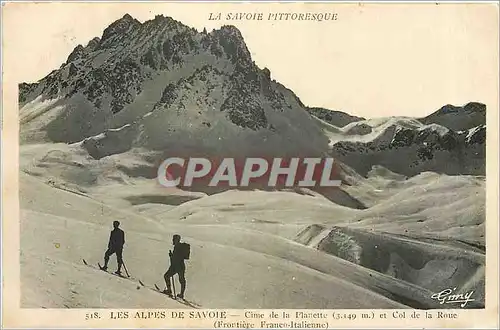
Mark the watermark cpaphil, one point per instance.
(248, 172)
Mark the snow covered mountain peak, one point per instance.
(408, 146)
(171, 85)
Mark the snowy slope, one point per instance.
(427, 230)
(81, 229)
(296, 276)
(409, 214)
(252, 231)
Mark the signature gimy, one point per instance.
(448, 296)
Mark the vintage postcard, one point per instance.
(250, 165)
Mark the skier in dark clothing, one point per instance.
(115, 245)
(177, 266)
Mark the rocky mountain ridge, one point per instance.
(333, 117)
(171, 85)
(458, 118)
(162, 86)
(409, 148)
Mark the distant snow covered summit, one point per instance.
(462, 118)
(450, 141)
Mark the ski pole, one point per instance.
(125, 267)
(173, 279)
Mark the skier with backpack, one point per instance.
(181, 252)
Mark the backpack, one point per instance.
(185, 250)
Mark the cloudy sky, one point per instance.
(375, 60)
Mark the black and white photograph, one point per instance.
(254, 156)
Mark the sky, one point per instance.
(375, 60)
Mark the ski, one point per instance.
(99, 267)
(136, 280)
(180, 300)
